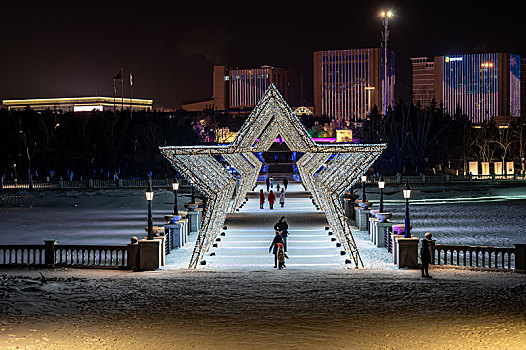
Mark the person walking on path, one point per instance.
(261, 199)
(271, 199)
(283, 228)
(282, 197)
(276, 159)
(274, 247)
(268, 183)
(425, 255)
(285, 182)
(281, 256)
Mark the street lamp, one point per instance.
(149, 198)
(407, 194)
(175, 188)
(381, 185)
(385, 15)
(364, 180)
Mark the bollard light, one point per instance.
(381, 185)
(364, 180)
(407, 194)
(149, 198)
(175, 188)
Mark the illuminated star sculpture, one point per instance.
(327, 171)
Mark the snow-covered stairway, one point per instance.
(250, 232)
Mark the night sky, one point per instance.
(59, 49)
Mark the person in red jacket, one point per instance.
(271, 199)
(261, 199)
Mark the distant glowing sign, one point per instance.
(344, 136)
(87, 108)
(453, 59)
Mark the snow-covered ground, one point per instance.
(262, 309)
(238, 301)
(482, 215)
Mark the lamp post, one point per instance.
(175, 188)
(407, 194)
(381, 185)
(385, 15)
(364, 180)
(149, 198)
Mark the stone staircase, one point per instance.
(250, 232)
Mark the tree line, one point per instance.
(37, 145)
(424, 139)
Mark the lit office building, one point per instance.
(423, 80)
(480, 85)
(80, 104)
(348, 83)
(243, 88)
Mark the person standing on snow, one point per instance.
(261, 199)
(268, 183)
(281, 256)
(282, 197)
(283, 228)
(425, 255)
(285, 182)
(274, 247)
(271, 199)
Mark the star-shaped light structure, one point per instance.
(327, 170)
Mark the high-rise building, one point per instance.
(480, 85)
(348, 83)
(423, 80)
(243, 88)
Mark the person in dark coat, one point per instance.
(268, 183)
(283, 228)
(425, 255)
(271, 199)
(285, 183)
(261, 199)
(274, 247)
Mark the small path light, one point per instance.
(149, 198)
(175, 188)
(381, 185)
(407, 194)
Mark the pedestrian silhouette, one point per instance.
(274, 247)
(425, 255)
(271, 199)
(261, 199)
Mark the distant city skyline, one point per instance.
(63, 50)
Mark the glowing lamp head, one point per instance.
(364, 178)
(382, 14)
(175, 185)
(390, 14)
(149, 193)
(381, 183)
(407, 191)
